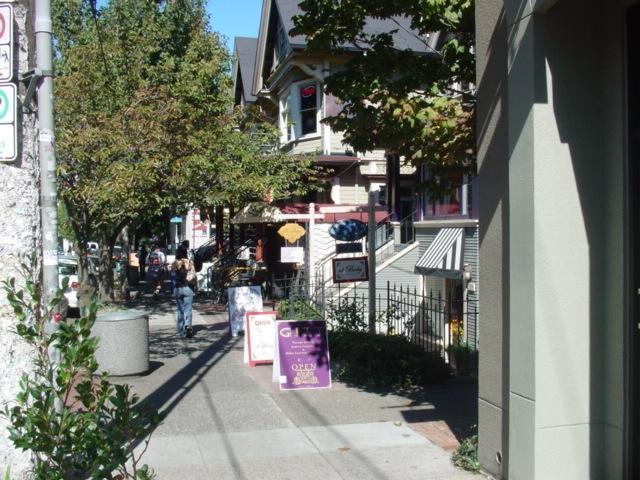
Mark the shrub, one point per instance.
(466, 455)
(383, 361)
(302, 310)
(75, 424)
(347, 315)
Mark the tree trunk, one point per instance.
(105, 270)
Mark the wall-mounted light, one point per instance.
(466, 273)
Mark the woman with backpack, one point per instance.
(183, 277)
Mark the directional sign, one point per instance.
(6, 42)
(8, 140)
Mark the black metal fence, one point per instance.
(436, 323)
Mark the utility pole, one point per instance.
(46, 150)
(371, 250)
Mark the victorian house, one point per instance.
(424, 243)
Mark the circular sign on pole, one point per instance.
(348, 230)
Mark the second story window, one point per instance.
(308, 108)
(454, 203)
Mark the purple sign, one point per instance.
(303, 354)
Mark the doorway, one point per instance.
(633, 133)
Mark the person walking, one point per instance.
(142, 260)
(183, 277)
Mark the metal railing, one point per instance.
(438, 324)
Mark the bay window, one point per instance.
(300, 111)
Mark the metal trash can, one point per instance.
(123, 347)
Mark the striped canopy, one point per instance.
(444, 256)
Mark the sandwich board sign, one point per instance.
(301, 359)
(8, 130)
(260, 337)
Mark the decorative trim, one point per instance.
(444, 223)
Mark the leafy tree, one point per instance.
(144, 120)
(415, 104)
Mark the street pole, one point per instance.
(371, 250)
(46, 151)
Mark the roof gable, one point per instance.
(244, 52)
(277, 16)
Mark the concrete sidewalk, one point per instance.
(226, 420)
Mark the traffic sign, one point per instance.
(6, 42)
(8, 128)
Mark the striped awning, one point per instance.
(443, 258)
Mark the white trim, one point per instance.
(443, 223)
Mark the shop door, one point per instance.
(633, 95)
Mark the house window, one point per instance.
(449, 204)
(308, 109)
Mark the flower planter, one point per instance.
(123, 347)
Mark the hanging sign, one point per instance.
(291, 232)
(350, 270)
(292, 255)
(348, 230)
(6, 43)
(302, 357)
(355, 247)
(260, 337)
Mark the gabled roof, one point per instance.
(244, 51)
(404, 39)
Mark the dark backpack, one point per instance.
(197, 261)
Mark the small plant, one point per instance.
(75, 424)
(298, 309)
(347, 316)
(466, 455)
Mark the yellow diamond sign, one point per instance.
(291, 232)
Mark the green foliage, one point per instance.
(378, 360)
(416, 104)
(464, 359)
(466, 455)
(144, 121)
(347, 315)
(383, 361)
(76, 424)
(298, 309)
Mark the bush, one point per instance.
(347, 315)
(466, 455)
(383, 361)
(301, 310)
(76, 424)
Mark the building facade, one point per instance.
(558, 122)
